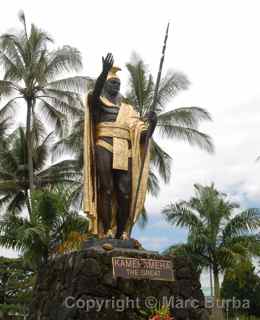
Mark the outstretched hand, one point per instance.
(108, 62)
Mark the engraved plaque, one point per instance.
(138, 268)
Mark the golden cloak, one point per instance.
(129, 118)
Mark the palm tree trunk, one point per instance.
(216, 283)
(211, 280)
(28, 202)
(217, 310)
(29, 144)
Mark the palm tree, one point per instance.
(3, 128)
(4, 125)
(217, 237)
(51, 229)
(14, 182)
(72, 143)
(31, 75)
(180, 123)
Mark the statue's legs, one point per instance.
(105, 177)
(123, 187)
(108, 180)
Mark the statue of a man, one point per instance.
(113, 143)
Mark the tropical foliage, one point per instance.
(14, 181)
(16, 284)
(219, 236)
(51, 229)
(37, 216)
(244, 285)
(32, 81)
(3, 129)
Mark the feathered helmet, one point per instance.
(113, 73)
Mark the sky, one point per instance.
(215, 43)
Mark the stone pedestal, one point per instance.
(81, 286)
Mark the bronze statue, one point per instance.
(113, 145)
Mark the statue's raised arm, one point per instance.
(107, 64)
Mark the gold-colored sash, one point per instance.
(109, 147)
(121, 136)
(106, 129)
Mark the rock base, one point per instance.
(80, 286)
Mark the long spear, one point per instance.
(151, 109)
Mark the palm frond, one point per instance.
(41, 152)
(153, 186)
(56, 118)
(63, 172)
(9, 108)
(141, 84)
(17, 202)
(70, 145)
(143, 219)
(246, 244)
(38, 40)
(228, 257)
(187, 250)
(192, 136)
(244, 222)
(181, 215)
(4, 125)
(170, 85)
(76, 196)
(71, 108)
(8, 161)
(68, 96)
(62, 60)
(38, 130)
(161, 160)
(75, 84)
(7, 88)
(187, 117)
(4, 175)
(4, 200)
(21, 17)
(12, 56)
(14, 45)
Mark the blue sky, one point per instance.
(158, 234)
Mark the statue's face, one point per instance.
(112, 86)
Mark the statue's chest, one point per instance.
(108, 113)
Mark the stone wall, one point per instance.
(71, 283)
